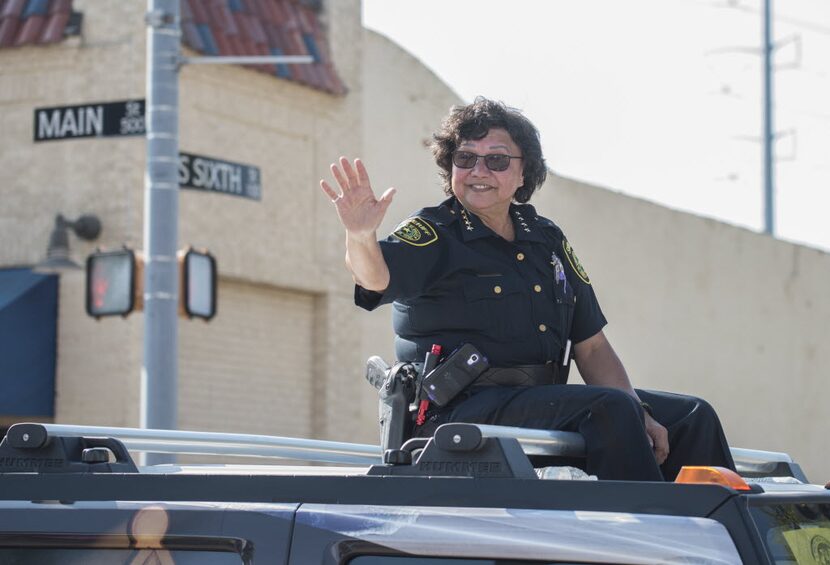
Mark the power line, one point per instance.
(737, 6)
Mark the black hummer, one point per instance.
(467, 496)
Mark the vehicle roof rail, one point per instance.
(30, 448)
(539, 442)
(215, 443)
(749, 462)
(533, 442)
(457, 450)
(754, 463)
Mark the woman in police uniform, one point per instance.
(484, 268)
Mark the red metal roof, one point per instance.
(263, 27)
(211, 27)
(33, 22)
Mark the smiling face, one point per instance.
(482, 191)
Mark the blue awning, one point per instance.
(28, 342)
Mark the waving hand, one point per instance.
(358, 209)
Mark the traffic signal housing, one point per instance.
(115, 283)
(111, 283)
(198, 282)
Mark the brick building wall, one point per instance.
(284, 328)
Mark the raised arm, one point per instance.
(361, 214)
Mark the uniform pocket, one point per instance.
(500, 306)
(490, 288)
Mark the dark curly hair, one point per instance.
(473, 121)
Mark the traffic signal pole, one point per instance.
(159, 373)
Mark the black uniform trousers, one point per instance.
(611, 421)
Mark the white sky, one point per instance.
(659, 99)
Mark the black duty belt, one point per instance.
(523, 375)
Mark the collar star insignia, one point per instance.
(521, 221)
(466, 219)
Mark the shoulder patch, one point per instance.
(574, 261)
(416, 231)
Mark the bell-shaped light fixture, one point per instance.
(86, 227)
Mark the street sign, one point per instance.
(109, 119)
(215, 175)
(101, 119)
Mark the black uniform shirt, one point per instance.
(454, 281)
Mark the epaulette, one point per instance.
(441, 215)
(529, 211)
(547, 223)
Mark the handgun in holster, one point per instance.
(396, 391)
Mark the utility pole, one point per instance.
(769, 134)
(159, 374)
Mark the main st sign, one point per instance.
(99, 119)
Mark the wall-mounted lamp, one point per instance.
(86, 227)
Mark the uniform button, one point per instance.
(497, 289)
(542, 327)
(520, 256)
(537, 288)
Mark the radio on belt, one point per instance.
(459, 370)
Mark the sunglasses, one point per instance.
(495, 161)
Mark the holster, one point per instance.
(394, 397)
(397, 385)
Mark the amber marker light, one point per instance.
(711, 476)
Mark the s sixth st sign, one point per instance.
(215, 175)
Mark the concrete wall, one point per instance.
(701, 307)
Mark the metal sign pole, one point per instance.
(159, 375)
